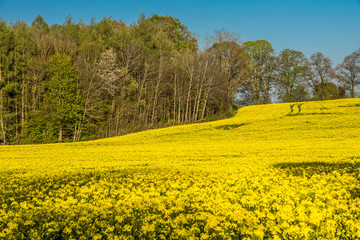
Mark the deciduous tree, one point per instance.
(321, 73)
(262, 70)
(291, 75)
(348, 72)
(63, 96)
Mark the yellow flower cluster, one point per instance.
(264, 174)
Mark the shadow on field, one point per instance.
(308, 169)
(230, 126)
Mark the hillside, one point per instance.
(264, 173)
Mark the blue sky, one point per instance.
(328, 26)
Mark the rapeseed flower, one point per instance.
(265, 173)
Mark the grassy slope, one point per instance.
(270, 157)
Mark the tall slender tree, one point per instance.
(63, 96)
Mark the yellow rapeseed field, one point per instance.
(266, 173)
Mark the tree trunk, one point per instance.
(179, 109)
(206, 99)
(196, 115)
(142, 82)
(204, 105)
(175, 96)
(2, 124)
(352, 91)
(60, 134)
(77, 131)
(187, 110)
(16, 121)
(195, 102)
(159, 78)
(23, 108)
(33, 93)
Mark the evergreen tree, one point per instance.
(40, 25)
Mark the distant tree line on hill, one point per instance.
(79, 81)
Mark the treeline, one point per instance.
(79, 81)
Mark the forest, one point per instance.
(82, 81)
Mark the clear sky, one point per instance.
(328, 26)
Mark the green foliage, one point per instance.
(54, 87)
(258, 50)
(177, 32)
(40, 25)
(262, 70)
(106, 30)
(328, 91)
(292, 73)
(41, 129)
(63, 93)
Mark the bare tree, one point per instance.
(348, 72)
(321, 73)
(2, 122)
(90, 86)
(233, 60)
(109, 72)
